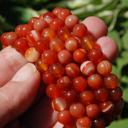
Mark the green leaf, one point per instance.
(115, 36)
(125, 41)
(119, 124)
(124, 3)
(125, 94)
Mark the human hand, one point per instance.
(19, 81)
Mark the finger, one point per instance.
(96, 26)
(40, 116)
(18, 93)
(108, 47)
(10, 62)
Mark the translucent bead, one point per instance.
(87, 68)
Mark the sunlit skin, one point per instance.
(50, 58)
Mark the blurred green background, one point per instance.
(113, 12)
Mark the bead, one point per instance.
(32, 55)
(106, 106)
(21, 45)
(42, 45)
(95, 55)
(8, 38)
(98, 123)
(71, 21)
(40, 24)
(48, 78)
(49, 57)
(88, 42)
(64, 117)
(56, 11)
(70, 95)
(23, 30)
(87, 97)
(52, 91)
(111, 81)
(32, 37)
(71, 44)
(32, 21)
(95, 81)
(57, 70)
(63, 33)
(56, 24)
(116, 94)
(87, 68)
(102, 95)
(79, 84)
(77, 110)
(56, 44)
(48, 33)
(59, 104)
(92, 111)
(64, 57)
(64, 82)
(84, 122)
(72, 70)
(104, 67)
(41, 66)
(80, 30)
(48, 17)
(79, 55)
(63, 13)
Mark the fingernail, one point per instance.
(25, 73)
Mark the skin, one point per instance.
(19, 83)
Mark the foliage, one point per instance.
(113, 12)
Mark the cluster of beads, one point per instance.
(76, 74)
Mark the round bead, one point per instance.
(106, 106)
(63, 13)
(64, 57)
(79, 84)
(59, 104)
(56, 44)
(8, 38)
(87, 68)
(40, 24)
(71, 21)
(77, 110)
(104, 67)
(32, 55)
(64, 82)
(48, 78)
(56, 24)
(84, 122)
(21, 45)
(116, 94)
(57, 70)
(92, 111)
(71, 44)
(48, 17)
(52, 91)
(42, 45)
(48, 33)
(49, 57)
(111, 81)
(102, 95)
(98, 123)
(95, 81)
(64, 117)
(79, 55)
(23, 30)
(70, 95)
(72, 70)
(80, 30)
(87, 97)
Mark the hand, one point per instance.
(19, 81)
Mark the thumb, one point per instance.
(17, 95)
